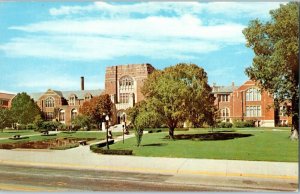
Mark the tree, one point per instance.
(141, 116)
(5, 118)
(82, 121)
(275, 65)
(180, 93)
(24, 109)
(95, 108)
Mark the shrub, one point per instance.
(30, 126)
(21, 127)
(97, 149)
(242, 124)
(224, 125)
(50, 125)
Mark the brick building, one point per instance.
(63, 105)
(124, 82)
(247, 102)
(5, 100)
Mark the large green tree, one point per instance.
(180, 93)
(5, 118)
(276, 62)
(24, 109)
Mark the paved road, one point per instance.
(46, 179)
(21, 178)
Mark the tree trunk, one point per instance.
(295, 118)
(171, 133)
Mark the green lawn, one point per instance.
(9, 133)
(264, 144)
(78, 134)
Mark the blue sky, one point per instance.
(50, 45)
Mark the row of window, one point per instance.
(50, 115)
(252, 94)
(49, 102)
(251, 111)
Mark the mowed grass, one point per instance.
(9, 133)
(78, 135)
(264, 144)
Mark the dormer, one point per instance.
(87, 97)
(72, 99)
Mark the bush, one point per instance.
(21, 127)
(30, 126)
(97, 149)
(224, 125)
(50, 125)
(242, 124)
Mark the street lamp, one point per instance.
(106, 126)
(123, 125)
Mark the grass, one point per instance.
(78, 135)
(262, 144)
(9, 133)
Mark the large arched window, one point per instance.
(49, 102)
(126, 87)
(73, 113)
(62, 115)
(253, 94)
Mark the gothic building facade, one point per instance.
(123, 83)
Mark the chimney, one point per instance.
(82, 83)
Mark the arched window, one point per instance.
(62, 115)
(73, 114)
(253, 94)
(126, 87)
(49, 102)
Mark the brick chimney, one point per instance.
(82, 83)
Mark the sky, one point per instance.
(47, 45)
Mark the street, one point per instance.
(46, 179)
(19, 178)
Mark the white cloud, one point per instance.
(180, 36)
(96, 48)
(230, 9)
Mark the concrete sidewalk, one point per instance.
(82, 158)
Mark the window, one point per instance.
(224, 97)
(73, 114)
(253, 111)
(253, 94)
(282, 111)
(49, 116)
(225, 112)
(72, 100)
(49, 102)
(62, 115)
(124, 98)
(126, 87)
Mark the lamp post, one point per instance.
(123, 125)
(106, 126)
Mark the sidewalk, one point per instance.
(82, 158)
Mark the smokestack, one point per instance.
(82, 83)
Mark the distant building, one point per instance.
(247, 102)
(5, 100)
(63, 105)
